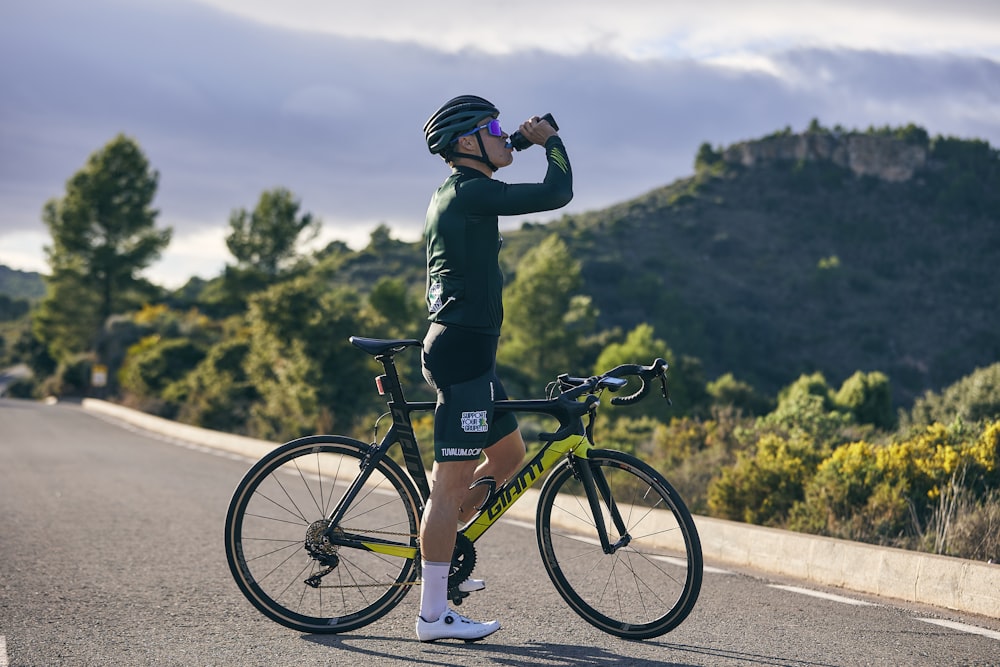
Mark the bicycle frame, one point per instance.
(322, 534)
(500, 499)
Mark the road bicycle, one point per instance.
(322, 534)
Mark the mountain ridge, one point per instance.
(797, 253)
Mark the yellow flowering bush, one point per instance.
(884, 493)
(764, 486)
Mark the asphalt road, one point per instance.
(111, 553)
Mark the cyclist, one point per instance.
(464, 286)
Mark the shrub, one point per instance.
(74, 375)
(762, 488)
(974, 398)
(867, 397)
(690, 452)
(71, 379)
(975, 532)
(23, 388)
(728, 391)
(890, 493)
(806, 407)
(217, 393)
(151, 365)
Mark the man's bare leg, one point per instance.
(503, 459)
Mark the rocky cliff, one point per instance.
(887, 158)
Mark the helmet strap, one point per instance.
(478, 158)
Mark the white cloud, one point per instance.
(201, 253)
(645, 28)
(23, 250)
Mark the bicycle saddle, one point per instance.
(378, 346)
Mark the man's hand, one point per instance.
(536, 130)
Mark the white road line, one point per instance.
(594, 541)
(824, 596)
(962, 627)
(3, 651)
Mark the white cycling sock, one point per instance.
(433, 590)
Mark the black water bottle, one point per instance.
(518, 141)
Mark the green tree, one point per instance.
(67, 321)
(393, 301)
(267, 239)
(706, 157)
(728, 391)
(545, 318)
(265, 244)
(308, 376)
(685, 375)
(973, 398)
(217, 394)
(152, 365)
(103, 234)
(807, 406)
(867, 396)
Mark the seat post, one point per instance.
(402, 428)
(389, 381)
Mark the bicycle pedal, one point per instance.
(456, 596)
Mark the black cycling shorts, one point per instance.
(461, 366)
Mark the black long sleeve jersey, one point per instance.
(464, 281)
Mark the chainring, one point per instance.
(463, 561)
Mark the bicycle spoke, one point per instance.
(645, 587)
(275, 536)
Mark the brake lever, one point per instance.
(664, 390)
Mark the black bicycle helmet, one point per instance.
(455, 117)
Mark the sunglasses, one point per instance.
(493, 127)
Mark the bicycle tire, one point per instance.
(646, 587)
(292, 491)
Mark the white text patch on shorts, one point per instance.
(460, 451)
(475, 422)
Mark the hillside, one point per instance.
(21, 284)
(822, 251)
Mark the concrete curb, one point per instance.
(235, 444)
(941, 581)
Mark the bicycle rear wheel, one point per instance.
(650, 583)
(274, 536)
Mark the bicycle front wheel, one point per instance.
(275, 545)
(651, 580)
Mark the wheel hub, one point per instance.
(318, 544)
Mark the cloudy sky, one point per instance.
(229, 98)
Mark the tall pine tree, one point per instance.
(103, 235)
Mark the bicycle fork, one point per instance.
(598, 491)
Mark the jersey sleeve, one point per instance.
(492, 197)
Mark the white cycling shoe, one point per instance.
(471, 585)
(453, 625)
